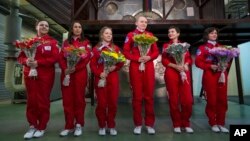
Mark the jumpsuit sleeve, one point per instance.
(165, 60)
(128, 47)
(94, 63)
(200, 60)
(155, 51)
(84, 61)
(120, 64)
(188, 59)
(22, 58)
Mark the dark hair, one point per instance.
(71, 34)
(38, 21)
(177, 29)
(100, 36)
(207, 31)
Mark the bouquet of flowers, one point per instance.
(224, 54)
(73, 54)
(177, 51)
(144, 41)
(110, 58)
(28, 46)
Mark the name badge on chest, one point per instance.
(82, 47)
(47, 48)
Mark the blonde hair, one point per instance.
(100, 36)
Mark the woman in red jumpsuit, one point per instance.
(179, 92)
(216, 92)
(73, 95)
(39, 87)
(142, 82)
(107, 96)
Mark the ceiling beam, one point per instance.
(95, 4)
(170, 10)
(80, 9)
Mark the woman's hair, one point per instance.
(177, 29)
(38, 21)
(100, 36)
(207, 31)
(71, 34)
(137, 19)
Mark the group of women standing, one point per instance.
(142, 82)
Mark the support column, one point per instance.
(12, 33)
(147, 5)
(13, 28)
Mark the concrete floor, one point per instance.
(13, 123)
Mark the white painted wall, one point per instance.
(245, 66)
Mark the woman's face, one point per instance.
(172, 34)
(77, 29)
(142, 23)
(42, 28)
(213, 35)
(107, 35)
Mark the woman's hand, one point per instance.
(144, 59)
(179, 68)
(214, 67)
(186, 68)
(69, 70)
(31, 63)
(112, 68)
(103, 75)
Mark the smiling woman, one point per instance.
(106, 82)
(73, 58)
(39, 86)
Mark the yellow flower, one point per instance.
(122, 57)
(112, 57)
(145, 39)
(114, 54)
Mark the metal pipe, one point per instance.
(12, 33)
(147, 5)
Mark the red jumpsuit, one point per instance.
(179, 92)
(107, 96)
(74, 95)
(216, 92)
(142, 83)
(39, 88)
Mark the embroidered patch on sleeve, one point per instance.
(47, 48)
(209, 58)
(100, 60)
(127, 39)
(198, 52)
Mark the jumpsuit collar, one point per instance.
(212, 42)
(138, 31)
(43, 37)
(76, 38)
(105, 45)
(210, 45)
(171, 41)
